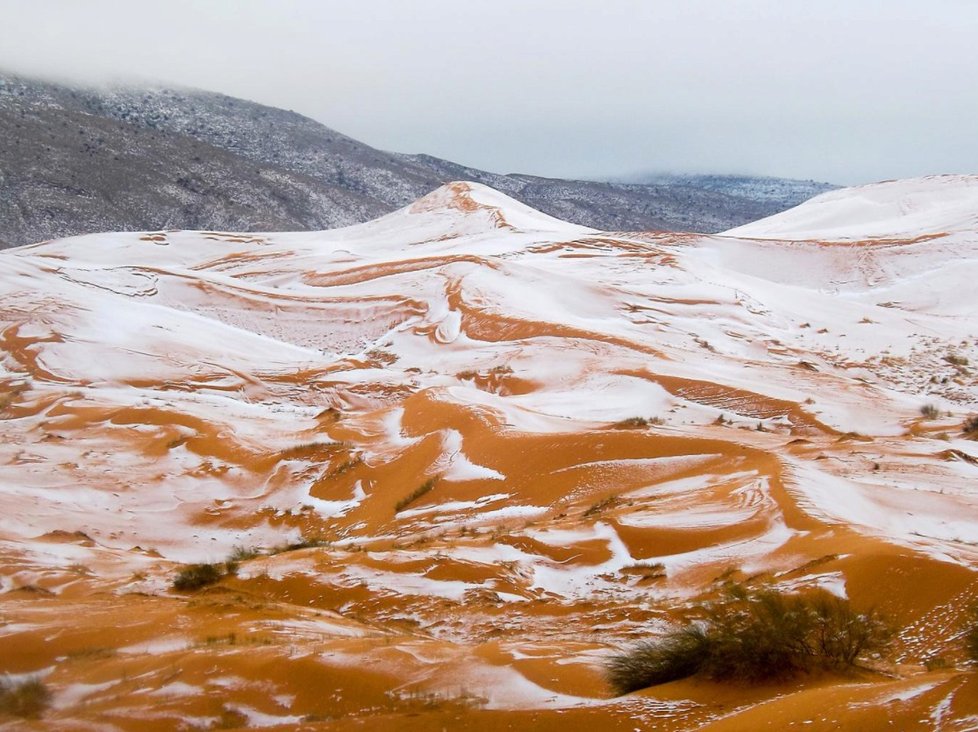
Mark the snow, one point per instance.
(160, 377)
(892, 209)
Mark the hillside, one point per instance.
(83, 160)
(465, 451)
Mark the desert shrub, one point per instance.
(929, 411)
(753, 636)
(631, 423)
(971, 635)
(24, 698)
(605, 503)
(242, 554)
(970, 426)
(677, 656)
(414, 495)
(195, 576)
(302, 543)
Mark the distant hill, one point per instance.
(784, 192)
(84, 160)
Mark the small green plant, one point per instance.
(417, 493)
(929, 411)
(27, 699)
(195, 576)
(754, 636)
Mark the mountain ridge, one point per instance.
(83, 160)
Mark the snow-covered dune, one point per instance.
(898, 209)
(474, 447)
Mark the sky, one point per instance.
(846, 91)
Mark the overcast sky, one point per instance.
(847, 91)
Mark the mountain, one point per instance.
(783, 192)
(82, 160)
(461, 454)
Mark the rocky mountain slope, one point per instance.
(81, 160)
(462, 453)
(784, 192)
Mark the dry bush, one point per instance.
(971, 635)
(195, 576)
(26, 699)
(414, 495)
(754, 636)
(970, 427)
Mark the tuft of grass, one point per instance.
(27, 699)
(929, 411)
(654, 571)
(303, 543)
(307, 447)
(970, 427)
(345, 466)
(971, 635)
(417, 493)
(600, 506)
(631, 423)
(755, 636)
(955, 360)
(242, 554)
(650, 663)
(196, 576)
(92, 652)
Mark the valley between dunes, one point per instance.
(477, 450)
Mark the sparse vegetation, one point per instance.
(195, 576)
(243, 554)
(600, 506)
(753, 636)
(631, 423)
(971, 635)
(414, 495)
(27, 699)
(345, 466)
(654, 571)
(929, 411)
(970, 427)
(303, 543)
(956, 360)
(304, 448)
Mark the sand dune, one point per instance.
(478, 449)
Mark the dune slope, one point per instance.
(475, 450)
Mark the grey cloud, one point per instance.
(842, 91)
